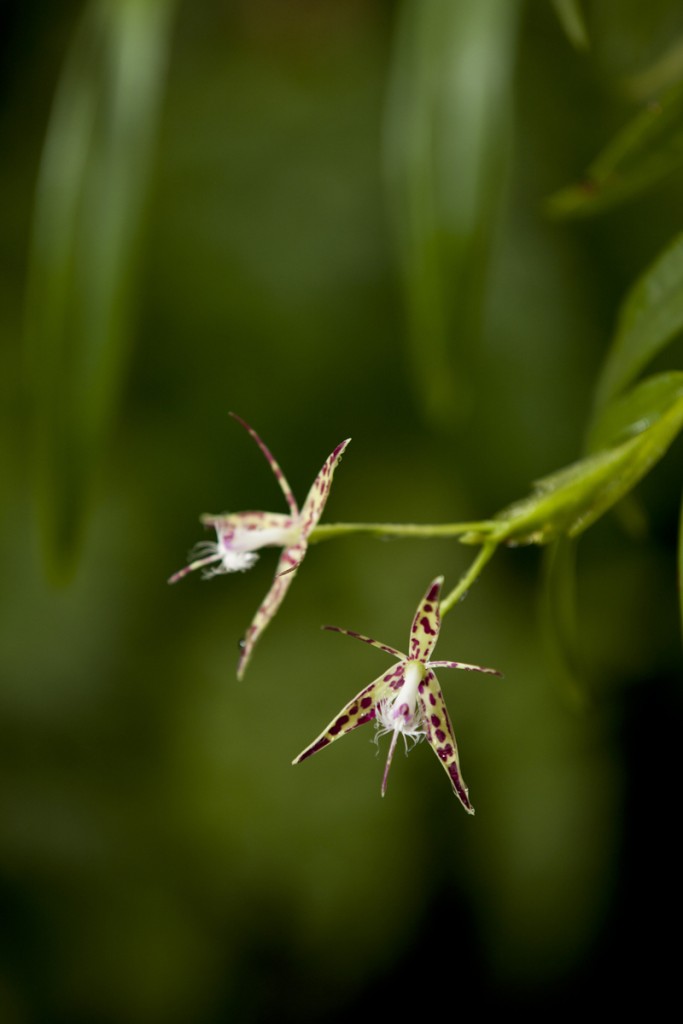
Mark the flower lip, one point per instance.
(401, 713)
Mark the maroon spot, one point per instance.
(366, 702)
(424, 622)
(445, 752)
(458, 785)
(435, 720)
(434, 592)
(353, 711)
(421, 687)
(432, 699)
(440, 735)
(322, 742)
(428, 607)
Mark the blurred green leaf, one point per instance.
(89, 204)
(559, 610)
(660, 74)
(636, 411)
(571, 18)
(447, 127)
(650, 317)
(569, 501)
(647, 149)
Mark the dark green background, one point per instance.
(159, 858)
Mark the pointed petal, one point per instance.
(463, 664)
(198, 563)
(357, 712)
(424, 631)
(367, 640)
(319, 492)
(287, 565)
(249, 531)
(279, 475)
(261, 521)
(440, 735)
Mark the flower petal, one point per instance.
(279, 475)
(319, 492)
(463, 664)
(287, 565)
(440, 735)
(357, 712)
(368, 640)
(424, 631)
(249, 531)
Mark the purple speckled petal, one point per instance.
(357, 712)
(464, 665)
(424, 631)
(288, 563)
(249, 521)
(196, 563)
(279, 475)
(319, 492)
(440, 735)
(368, 640)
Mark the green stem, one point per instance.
(468, 578)
(330, 530)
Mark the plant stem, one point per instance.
(468, 578)
(328, 531)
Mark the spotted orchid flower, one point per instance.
(240, 535)
(407, 700)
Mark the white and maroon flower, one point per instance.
(407, 700)
(241, 534)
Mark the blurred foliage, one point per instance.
(330, 218)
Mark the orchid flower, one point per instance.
(241, 534)
(407, 700)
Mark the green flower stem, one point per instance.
(330, 530)
(469, 577)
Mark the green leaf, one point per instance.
(650, 317)
(89, 206)
(571, 18)
(647, 149)
(447, 142)
(559, 614)
(635, 411)
(569, 501)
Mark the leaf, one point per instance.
(650, 317)
(635, 411)
(647, 149)
(569, 501)
(447, 132)
(571, 18)
(89, 206)
(559, 614)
